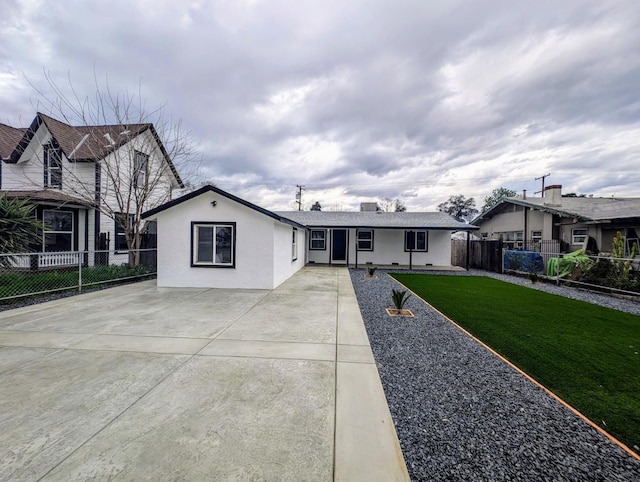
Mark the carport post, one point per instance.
(411, 241)
(466, 262)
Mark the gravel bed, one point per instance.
(463, 414)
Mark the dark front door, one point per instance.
(339, 246)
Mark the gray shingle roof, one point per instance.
(358, 219)
(583, 208)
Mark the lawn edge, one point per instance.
(527, 376)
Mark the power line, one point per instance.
(543, 178)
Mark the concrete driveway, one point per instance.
(146, 383)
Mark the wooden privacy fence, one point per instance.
(486, 255)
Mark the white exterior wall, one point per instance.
(283, 264)
(388, 248)
(254, 245)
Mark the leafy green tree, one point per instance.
(460, 208)
(495, 196)
(19, 229)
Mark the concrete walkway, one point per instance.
(145, 383)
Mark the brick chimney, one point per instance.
(553, 195)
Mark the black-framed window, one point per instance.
(416, 241)
(318, 239)
(140, 168)
(58, 230)
(122, 221)
(578, 235)
(294, 245)
(213, 244)
(364, 239)
(52, 167)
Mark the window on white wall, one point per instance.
(318, 239)
(536, 236)
(294, 245)
(416, 241)
(52, 167)
(364, 239)
(213, 244)
(140, 167)
(578, 236)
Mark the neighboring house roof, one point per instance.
(48, 195)
(78, 143)
(583, 209)
(9, 138)
(367, 219)
(210, 188)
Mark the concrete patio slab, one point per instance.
(138, 382)
(143, 344)
(271, 349)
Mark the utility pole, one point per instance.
(299, 196)
(541, 177)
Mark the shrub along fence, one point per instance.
(601, 273)
(25, 275)
(543, 260)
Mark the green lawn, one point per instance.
(586, 354)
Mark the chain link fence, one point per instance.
(34, 275)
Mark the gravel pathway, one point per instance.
(463, 414)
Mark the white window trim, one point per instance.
(575, 236)
(324, 239)
(194, 244)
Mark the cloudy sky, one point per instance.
(357, 100)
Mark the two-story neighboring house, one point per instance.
(571, 222)
(85, 181)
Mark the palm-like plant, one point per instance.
(18, 227)
(399, 298)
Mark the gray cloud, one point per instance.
(359, 100)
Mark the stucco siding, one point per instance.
(254, 245)
(283, 263)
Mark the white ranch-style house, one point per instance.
(210, 238)
(67, 172)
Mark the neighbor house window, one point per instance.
(58, 230)
(318, 239)
(294, 245)
(213, 244)
(536, 236)
(578, 236)
(416, 241)
(484, 236)
(122, 222)
(140, 167)
(364, 239)
(52, 167)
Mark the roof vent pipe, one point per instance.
(524, 194)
